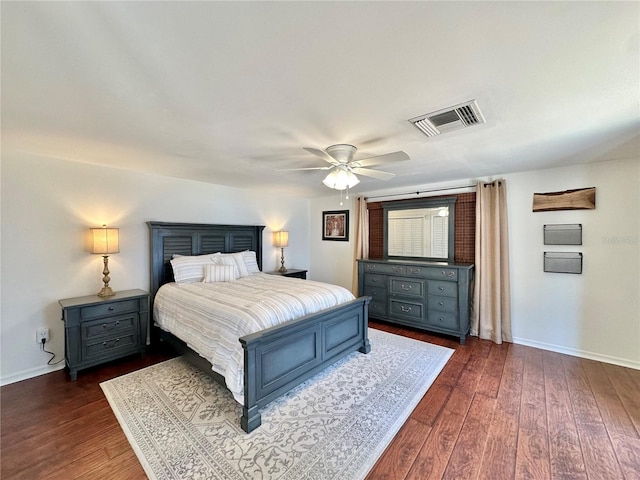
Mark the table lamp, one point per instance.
(281, 239)
(105, 241)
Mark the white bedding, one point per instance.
(211, 317)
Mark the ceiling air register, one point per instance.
(449, 119)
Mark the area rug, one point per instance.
(183, 425)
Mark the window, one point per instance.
(406, 236)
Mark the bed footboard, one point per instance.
(282, 357)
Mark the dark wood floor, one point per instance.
(495, 412)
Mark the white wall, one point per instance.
(47, 205)
(594, 315)
(331, 261)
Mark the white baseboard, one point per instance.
(623, 362)
(33, 372)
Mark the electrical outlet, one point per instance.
(42, 334)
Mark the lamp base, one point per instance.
(106, 292)
(282, 268)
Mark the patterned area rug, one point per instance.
(183, 425)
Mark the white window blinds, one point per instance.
(406, 237)
(439, 236)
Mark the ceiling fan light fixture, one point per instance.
(342, 152)
(341, 179)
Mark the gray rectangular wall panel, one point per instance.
(563, 262)
(563, 234)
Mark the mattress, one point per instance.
(211, 317)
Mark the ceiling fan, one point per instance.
(344, 168)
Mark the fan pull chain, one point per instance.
(346, 197)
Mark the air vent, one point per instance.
(448, 119)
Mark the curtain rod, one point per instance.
(422, 191)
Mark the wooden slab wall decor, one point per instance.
(578, 199)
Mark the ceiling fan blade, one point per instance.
(380, 159)
(308, 168)
(367, 172)
(322, 154)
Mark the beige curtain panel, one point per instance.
(491, 315)
(362, 239)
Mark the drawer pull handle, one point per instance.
(441, 303)
(447, 274)
(406, 287)
(111, 309)
(397, 269)
(109, 326)
(405, 309)
(441, 289)
(441, 319)
(371, 267)
(415, 270)
(110, 343)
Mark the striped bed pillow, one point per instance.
(190, 268)
(220, 273)
(250, 261)
(233, 259)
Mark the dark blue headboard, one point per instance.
(168, 239)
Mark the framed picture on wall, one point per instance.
(335, 225)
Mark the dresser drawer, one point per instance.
(442, 304)
(385, 269)
(433, 273)
(375, 280)
(443, 320)
(406, 287)
(111, 347)
(376, 293)
(407, 309)
(111, 326)
(377, 308)
(110, 309)
(447, 289)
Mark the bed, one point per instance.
(278, 358)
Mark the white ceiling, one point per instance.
(228, 92)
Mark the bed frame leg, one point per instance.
(366, 348)
(251, 419)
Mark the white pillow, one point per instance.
(242, 267)
(190, 269)
(220, 273)
(226, 259)
(238, 261)
(250, 261)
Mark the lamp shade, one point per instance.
(341, 179)
(281, 238)
(104, 241)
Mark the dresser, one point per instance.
(434, 296)
(100, 329)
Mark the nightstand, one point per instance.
(100, 329)
(291, 272)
